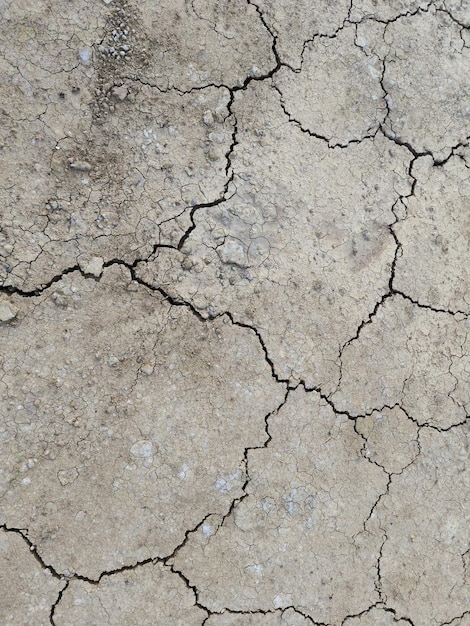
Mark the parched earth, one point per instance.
(234, 313)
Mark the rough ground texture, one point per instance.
(234, 313)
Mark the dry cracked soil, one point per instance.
(234, 313)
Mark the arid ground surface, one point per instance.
(234, 312)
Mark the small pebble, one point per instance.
(80, 166)
(147, 369)
(208, 118)
(93, 266)
(8, 310)
(120, 93)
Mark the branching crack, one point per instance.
(389, 134)
(23, 534)
(384, 126)
(456, 619)
(57, 602)
(316, 135)
(245, 461)
(280, 611)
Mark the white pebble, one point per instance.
(85, 55)
(207, 530)
(142, 449)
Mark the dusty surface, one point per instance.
(234, 313)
